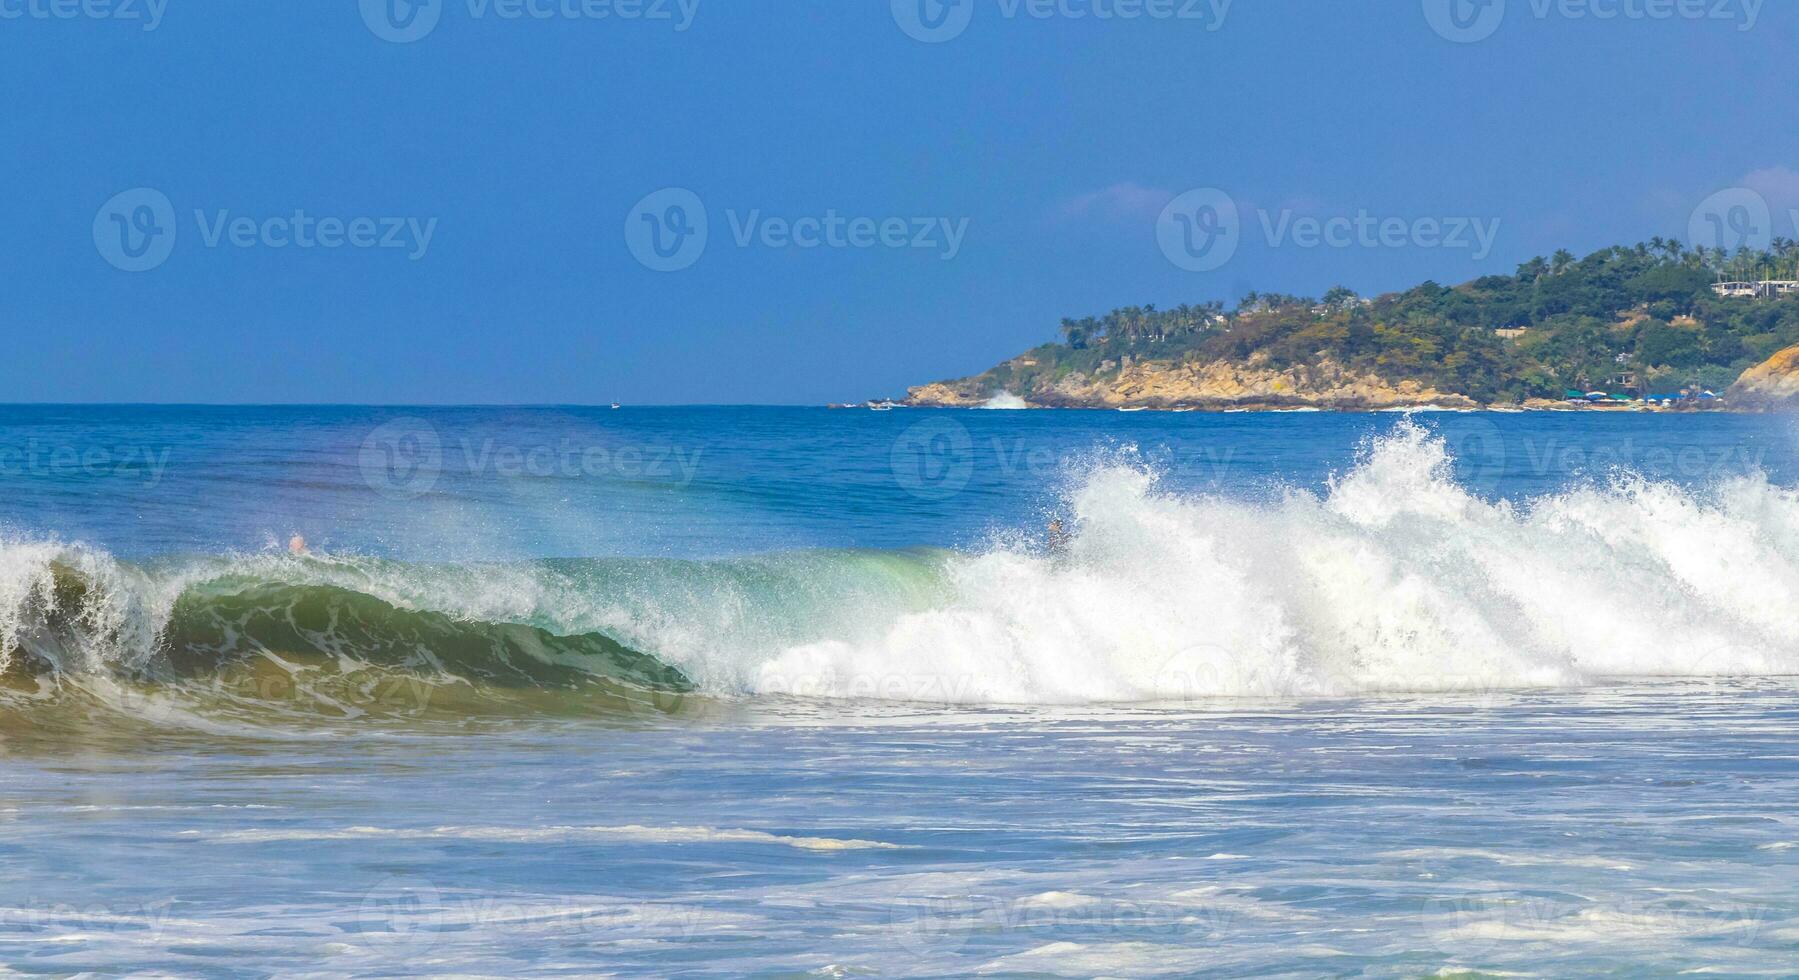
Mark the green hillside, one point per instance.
(1643, 318)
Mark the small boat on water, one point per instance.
(882, 406)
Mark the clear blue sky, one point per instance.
(529, 142)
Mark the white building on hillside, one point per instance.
(1765, 289)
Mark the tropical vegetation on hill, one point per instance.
(1642, 319)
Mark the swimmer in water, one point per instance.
(296, 545)
(1058, 538)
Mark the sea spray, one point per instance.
(1396, 579)
(1393, 578)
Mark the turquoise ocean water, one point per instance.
(794, 692)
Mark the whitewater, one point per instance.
(1294, 695)
(1391, 578)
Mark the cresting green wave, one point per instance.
(209, 629)
(263, 637)
(243, 628)
(1393, 580)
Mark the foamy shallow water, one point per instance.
(1644, 830)
(1299, 696)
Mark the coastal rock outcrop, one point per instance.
(1770, 385)
(1212, 385)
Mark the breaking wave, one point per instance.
(1393, 578)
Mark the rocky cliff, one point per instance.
(1208, 385)
(1771, 384)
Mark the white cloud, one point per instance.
(1119, 202)
(1780, 185)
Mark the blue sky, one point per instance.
(524, 146)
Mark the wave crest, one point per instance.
(1393, 578)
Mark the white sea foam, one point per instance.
(1393, 579)
(533, 835)
(1005, 401)
(1127, 959)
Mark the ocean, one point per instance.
(784, 692)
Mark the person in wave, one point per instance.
(1057, 540)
